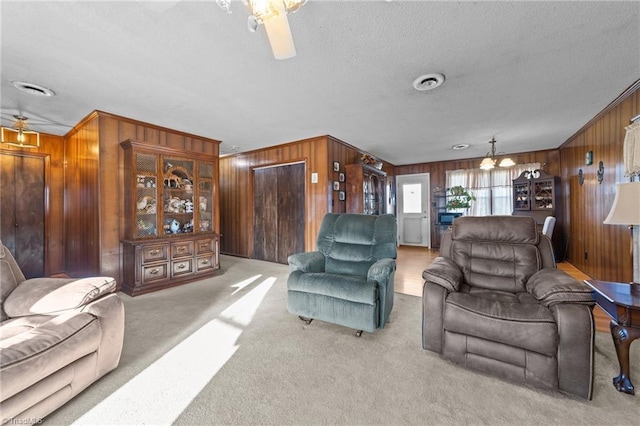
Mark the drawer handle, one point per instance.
(182, 266)
(154, 252)
(205, 261)
(182, 248)
(154, 271)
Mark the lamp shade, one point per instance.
(507, 162)
(487, 164)
(626, 205)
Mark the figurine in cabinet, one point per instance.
(174, 226)
(173, 205)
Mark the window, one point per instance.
(412, 198)
(493, 189)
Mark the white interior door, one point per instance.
(413, 210)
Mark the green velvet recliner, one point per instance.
(349, 279)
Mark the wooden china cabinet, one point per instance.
(169, 225)
(537, 194)
(365, 189)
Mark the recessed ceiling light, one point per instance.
(428, 82)
(33, 89)
(460, 146)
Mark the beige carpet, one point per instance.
(226, 351)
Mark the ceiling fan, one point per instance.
(273, 15)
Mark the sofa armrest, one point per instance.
(551, 286)
(312, 261)
(433, 303)
(46, 296)
(383, 272)
(110, 312)
(576, 332)
(445, 273)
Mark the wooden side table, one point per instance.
(623, 307)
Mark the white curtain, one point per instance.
(493, 188)
(631, 149)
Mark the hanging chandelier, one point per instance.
(490, 160)
(273, 15)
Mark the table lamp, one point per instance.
(626, 211)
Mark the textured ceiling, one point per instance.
(529, 73)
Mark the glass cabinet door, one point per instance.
(205, 197)
(146, 196)
(521, 196)
(543, 193)
(177, 195)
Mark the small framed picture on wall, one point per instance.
(336, 185)
(341, 177)
(336, 166)
(341, 195)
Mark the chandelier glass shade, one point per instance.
(490, 160)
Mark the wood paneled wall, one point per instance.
(550, 159)
(236, 187)
(94, 183)
(601, 251)
(53, 147)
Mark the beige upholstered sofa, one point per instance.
(57, 336)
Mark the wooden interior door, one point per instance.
(22, 210)
(278, 212)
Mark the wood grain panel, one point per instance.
(52, 147)
(601, 251)
(24, 176)
(265, 214)
(82, 201)
(290, 211)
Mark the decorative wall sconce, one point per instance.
(600, 172)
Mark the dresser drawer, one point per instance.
(204, 246)
(205, 263)
(155, 253)
(181, 267)
(153, 273)
(181, 249)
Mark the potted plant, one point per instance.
(459, 198)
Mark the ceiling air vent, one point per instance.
(428, 82)
(33, 89)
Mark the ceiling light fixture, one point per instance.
(273, 15)
(20, 135)
(490, 160)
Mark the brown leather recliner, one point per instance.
(494, 301)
